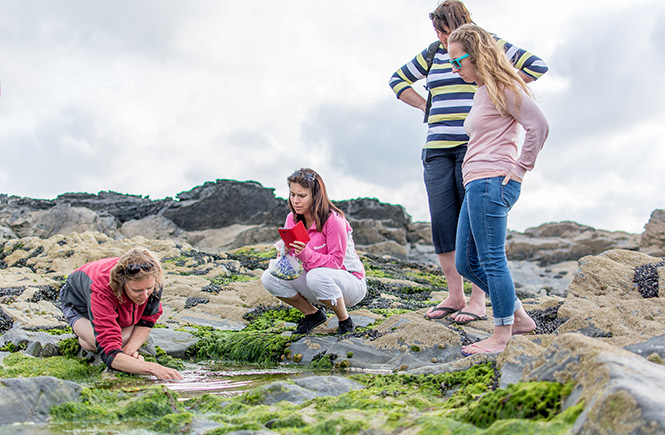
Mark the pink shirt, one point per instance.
(333, 247)
(492, 149)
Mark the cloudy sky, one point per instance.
(155, 97)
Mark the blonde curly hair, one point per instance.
(491, 64)
(135, 265)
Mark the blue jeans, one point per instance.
(481, 243)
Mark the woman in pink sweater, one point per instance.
(334, 275)
(493, 170)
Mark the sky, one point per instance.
(156, 97)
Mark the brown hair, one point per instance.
(491, 64)
(135, 265)
(321, 205)
(451, 14)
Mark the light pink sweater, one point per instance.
(492, 149)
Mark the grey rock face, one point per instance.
(653, 238)
(623, 393)
(31, 399)
(174, 343)
(565, 241)
(241, 203)
(307, 388)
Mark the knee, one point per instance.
(316, 278)
(269, 282)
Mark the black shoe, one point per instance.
(310, 322)
(345, 326)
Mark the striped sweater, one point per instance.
(452, 97)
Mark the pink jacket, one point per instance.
(333, 247)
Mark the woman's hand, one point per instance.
(137, 356)
(297, 247)
(509, 177)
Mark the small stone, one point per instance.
(435, 360)
(403, 367)
(297, 357)
(655, 358)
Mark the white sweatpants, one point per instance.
(320, 284)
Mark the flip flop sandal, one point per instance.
(445, 312)
(464, 322)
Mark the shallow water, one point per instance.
(223, 380)
(226, 380)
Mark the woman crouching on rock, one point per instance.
(333, 273)
(112, 305)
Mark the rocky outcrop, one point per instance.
(213, 217)
(653, 238)
(227, 214)
(565, 241)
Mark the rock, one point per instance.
(565, 241)
(622, 392)
(35, 342)
(31, 399)
(152, 227)
(603, 300)
(304, 389)
(653, 238)
(370, 208)
(242, 203)
(174, 343)
(6, 322)
(62, 219)
(647, 348)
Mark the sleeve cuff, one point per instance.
(519, 171)
(145, 323)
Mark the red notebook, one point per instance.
(297, 233)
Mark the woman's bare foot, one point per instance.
(496, 343)
(490, 345)
(523, 323)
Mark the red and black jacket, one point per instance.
(87, 290)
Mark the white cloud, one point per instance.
(156, 97)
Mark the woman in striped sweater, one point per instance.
(446, 145)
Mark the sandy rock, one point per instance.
(413, 329)
(152, 227)
(603, 300)
(389, 247)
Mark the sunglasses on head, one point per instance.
(133, 269)
(310, 177)
(456, 62)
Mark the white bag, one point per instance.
(285, 266)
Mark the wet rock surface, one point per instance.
(30, 400)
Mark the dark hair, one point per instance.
(135, 265)
(321, 205)
(450, 14)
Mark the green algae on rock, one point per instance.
(20, 365)
(245, 347)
